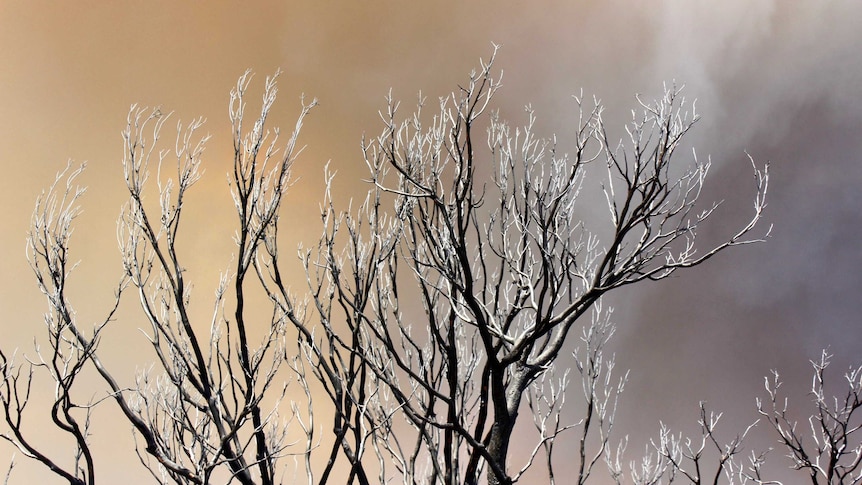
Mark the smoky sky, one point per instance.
(779, 80)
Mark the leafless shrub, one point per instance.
(438, 308)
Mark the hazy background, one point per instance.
(781, 80)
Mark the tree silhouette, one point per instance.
(464, 291)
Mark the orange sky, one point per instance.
(781, 79)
